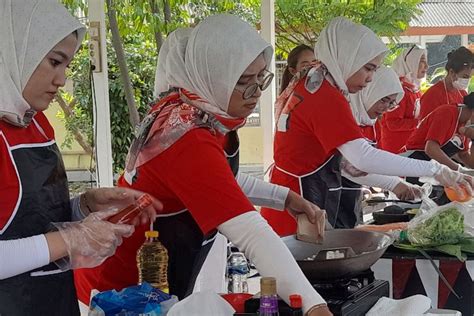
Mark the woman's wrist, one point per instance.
(86, 210)
(56, 245)
(315, 308)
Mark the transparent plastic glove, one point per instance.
(453, 179)
(350, 169)
(467, 131)
(464, 170)
(91, 241)
(408, 192)
(101, 199)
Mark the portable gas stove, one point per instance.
(354, 295)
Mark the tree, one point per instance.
(138, 32)
(386, 18)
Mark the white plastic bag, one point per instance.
(438, 225)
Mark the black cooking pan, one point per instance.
(353, 251)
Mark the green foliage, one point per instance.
(144, 23)
(141, 62)
(301, 21)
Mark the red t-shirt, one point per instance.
(38, 132)
(398, 125)
(192, 174)
(369, 133)
(319, 124)
(438, 95)
(439, 126)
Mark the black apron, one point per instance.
(44, 199)
(187, 246)
(350, 206)
(323, 188)
(451, 148)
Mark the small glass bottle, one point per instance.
(152, 262)
(268, 297)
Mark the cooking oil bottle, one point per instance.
(152, 261)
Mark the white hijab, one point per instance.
(407, 65)
(210, 62)
(384, 83)
(344, 47)
(175, 38)
(29, 29)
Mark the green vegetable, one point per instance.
(445, 227)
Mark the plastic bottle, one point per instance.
(237, 273)
(125, 215)
(296, 304)
(268, 297)
(152, 262)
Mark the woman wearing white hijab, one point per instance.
(38, 40)
(218, 73)
(259, 192)
(396, 126)
(315, 125)
(380, 95)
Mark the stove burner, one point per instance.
(343, 287)
(353, 295)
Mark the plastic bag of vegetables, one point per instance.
(438, 225)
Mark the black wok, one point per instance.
(367, 248)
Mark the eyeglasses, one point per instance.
(250, 90)
(392, 104)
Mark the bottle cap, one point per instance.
(296, 301)
(268, 286)
(151, 234)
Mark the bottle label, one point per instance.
(268, 305)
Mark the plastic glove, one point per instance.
(453, 179)
(407, 191)
(101, 199)
(465, 170)
(91, 241)
(467, 131)
(350, 169)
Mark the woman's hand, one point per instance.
(408, 192)
(295, 204)
(467, 131)
(321, 310)
(103, 199)
(88, 242)
(453, 179)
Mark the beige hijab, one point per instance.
(176, 41)
(384, 83)
(344, 47)
(406, 64)
(211, 60)
(29, 29)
